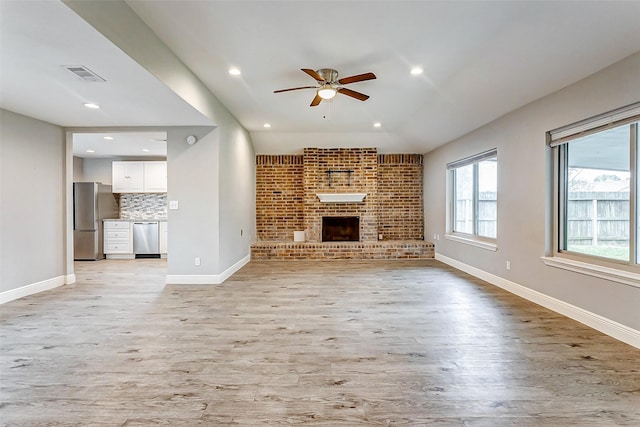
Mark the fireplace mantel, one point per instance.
(341, 197)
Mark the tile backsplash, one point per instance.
(143, 205)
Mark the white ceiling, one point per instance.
(481, 60)
(120, 144)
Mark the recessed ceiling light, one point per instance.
(146, 150)
(89, 105)
(267, 125)
(234, 71)
(377, 124)
(91, 151)
(110, 138)
(416, 71)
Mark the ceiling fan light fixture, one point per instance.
(326, 92)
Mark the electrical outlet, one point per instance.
(197, 260)
(173, 204)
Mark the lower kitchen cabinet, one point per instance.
(118, 239)
(164, 234)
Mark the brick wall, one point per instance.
(400, 192)
(286, 188)
(279, 197)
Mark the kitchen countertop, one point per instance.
(135, 219)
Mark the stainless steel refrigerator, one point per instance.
(92, 202)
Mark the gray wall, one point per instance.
(214, 184)
(98, 170)
(237, 195)
(32, 200)
(193, 182)
(524, 193)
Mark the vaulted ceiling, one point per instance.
(480, 60)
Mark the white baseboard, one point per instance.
(595, 321)
(235, 267)
(70, 279)
(33, 288)
(206, 279)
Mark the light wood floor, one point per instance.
(305, 343)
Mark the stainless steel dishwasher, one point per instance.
(145, 238)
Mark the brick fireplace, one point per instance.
(389, 210)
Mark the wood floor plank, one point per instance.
(370, 343)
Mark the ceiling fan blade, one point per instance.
(295, 88)
(353, 94)
(315, 101)
(313, 74)
(358, 78)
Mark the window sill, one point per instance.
(473, 242)
(608, 273)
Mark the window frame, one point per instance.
(473, 239)
(627, 272)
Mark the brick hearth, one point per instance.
(343, 250)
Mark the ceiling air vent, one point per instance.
(84, 73)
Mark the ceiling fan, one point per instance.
(329, 85)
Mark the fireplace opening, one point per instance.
(340, 229)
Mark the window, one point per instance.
(597, 216)
(474, 197)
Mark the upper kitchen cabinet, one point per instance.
(128, 177)
(155, 177)
(139, 177)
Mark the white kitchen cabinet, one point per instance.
(155, 177)
(128, 177)
(164, 234)
(118, 239)
(139, 177)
